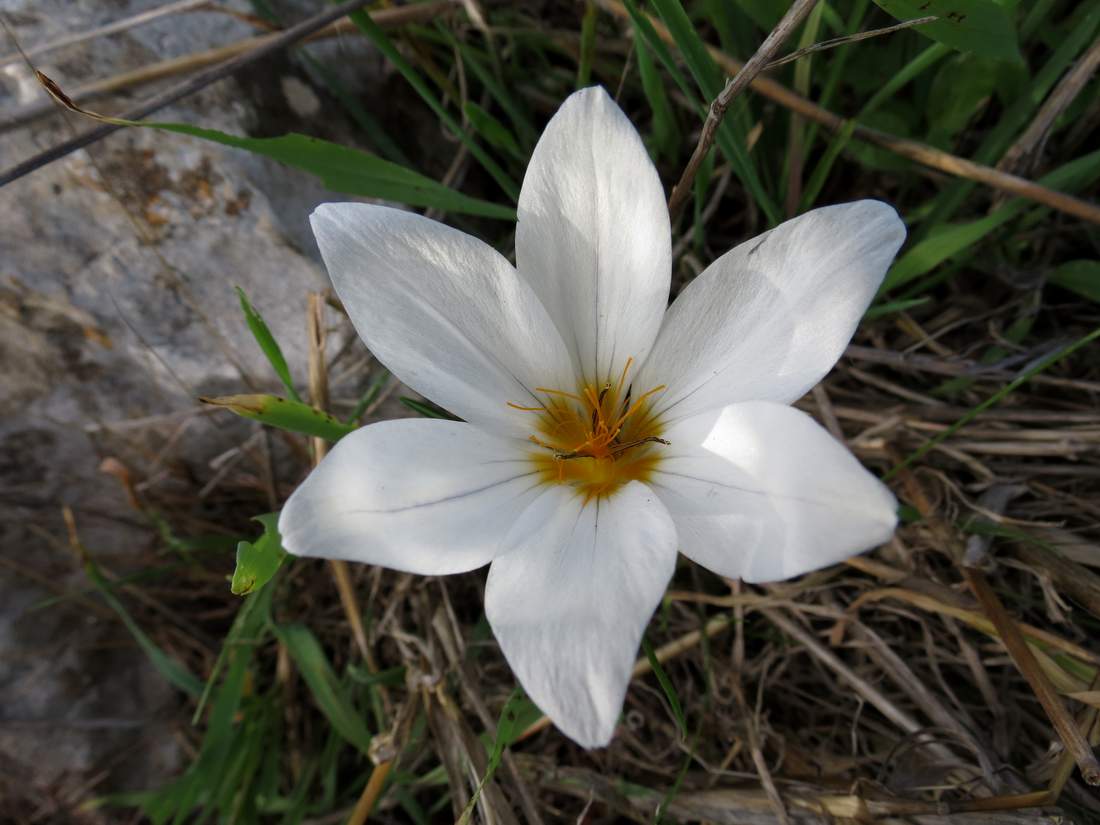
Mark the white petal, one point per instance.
(569, 604)
(593, 238)
(429, 497)
(769, 318)
(759, 491)
(445, 312)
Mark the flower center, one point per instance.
(596, 439)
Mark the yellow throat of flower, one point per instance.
(596, 439)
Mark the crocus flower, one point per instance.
(600, 433)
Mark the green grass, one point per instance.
(284, 728)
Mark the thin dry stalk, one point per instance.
(864, 688)
(848, 38)
(370, 794)
(921, 153)
(114, 27)
(752, 728)
(172, 67)
(1029, 144)
(185, 88)
(318, 390)
(741, 80)
(1074, 742)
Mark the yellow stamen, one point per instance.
(598, 438)
(622, 378)
(638, 404)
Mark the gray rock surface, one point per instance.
(117, 268)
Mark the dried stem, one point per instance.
(848, 38)
(741, 80)
(1013, 640)
(385, 18)
(370, 793)
(921, 153)
(185, 88)
(1031, 141)
(114, 27)
(318, 391)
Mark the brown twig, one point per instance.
(741, 80)
(752, 730)
(370, 793)
(184, 88)
(318, 391)
(921, 153)
(848, 38)
(114, 27)
(1013, 640)
(1030, 143)
(861, 686)
(385, 18)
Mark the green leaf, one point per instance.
(491, 129)
(517, 113)
(764, 13)
(958, 91)
(644, 31)
(588, 45)
(891, 307)
(378, 37)
(374, 389)
(258, 561)
(267, 342)
(284, 414)
(1082, 277)
(730, 136)
(979, 26)
(310, 659)
(896, 118)
(1076, 36)
(951, 240)
(351, 171)
(666, 686)
(340, 168)
(938, 247)
(666, 132)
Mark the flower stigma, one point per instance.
(596, 439)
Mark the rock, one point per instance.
(116, 311)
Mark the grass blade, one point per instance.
(996, 398)
(666, 686)
(267, 342)
(666, 132)
(340, 168)
(168, 667)
(284, 414)
(314, 666)
(427, 409)
(507, 730)
(385, 45)
(1082, 277)
(588, 45)
(731, 139)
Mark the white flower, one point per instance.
(601, 432)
